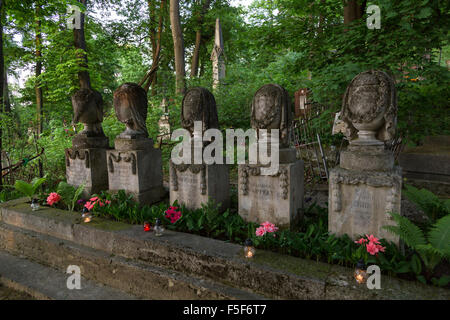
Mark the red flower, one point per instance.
(53, 198)
(172, 214)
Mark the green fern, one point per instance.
(407, 231)
(439, 236)
(432, 251)
(431, 205)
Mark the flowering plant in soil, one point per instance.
(95, 202)
(172, 214)
(369, 245)
(53, 198)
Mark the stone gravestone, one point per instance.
(86, 160)
(366, 185)
(134, 165)
(277, 196)
(193, 184)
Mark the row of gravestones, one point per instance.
(362, 190)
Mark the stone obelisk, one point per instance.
(218, 56)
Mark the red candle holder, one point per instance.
(147, 226)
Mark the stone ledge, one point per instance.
(274, 275)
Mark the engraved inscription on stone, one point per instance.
(188, 179)
(78, 172)
(264, 192)
(362, 207)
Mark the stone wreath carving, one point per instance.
(194, 168)
(247, 170)
(271, 110)
(126, 157)
(77, 154)
(391, 180)
(370, 104)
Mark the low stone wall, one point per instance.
(269, 274)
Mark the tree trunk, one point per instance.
(353, 10)
(2, 81)
(198, 39)
(37, 86)
(178, 46)
(80, 43)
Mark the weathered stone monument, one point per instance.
(366, 185)
(218, 56)
(190, 183)
(86, 160)
(272, 196)
(134, 165)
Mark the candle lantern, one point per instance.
(360, 272)
(249, 249)
(86, 215)
(147, 226)
(159, 229)
(34, 204)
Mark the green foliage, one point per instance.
(431, 249)
(431, 205)
(69, 195)
(29, 189)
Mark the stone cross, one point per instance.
(218, 56)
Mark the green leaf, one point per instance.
(416, 264)
(407, 231)
(439, 235)
(24, 187)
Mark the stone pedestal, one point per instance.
(87, 166)
(362, 190)
(277, 198)
(86, 163)
(136, 167)
(193, 184)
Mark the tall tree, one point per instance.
(353, 10)
(178, 46)
(80, 44)
(37, 87)
(2, 68)
(198, 37)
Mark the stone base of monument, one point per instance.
(135, 167)
(276, 197)
(87, 166)
(193, 184)
(359, 202)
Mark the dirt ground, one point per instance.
(11, 294)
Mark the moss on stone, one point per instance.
(291, 264)
(108, 225)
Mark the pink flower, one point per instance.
(372, 248)
(361, 241)
(94, 199)
(260, 231)
(372, 239)
(107, 201)
(53, 198)
(89, 205)
(173, 215)
(269, 227)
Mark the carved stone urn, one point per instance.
(369, 108)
